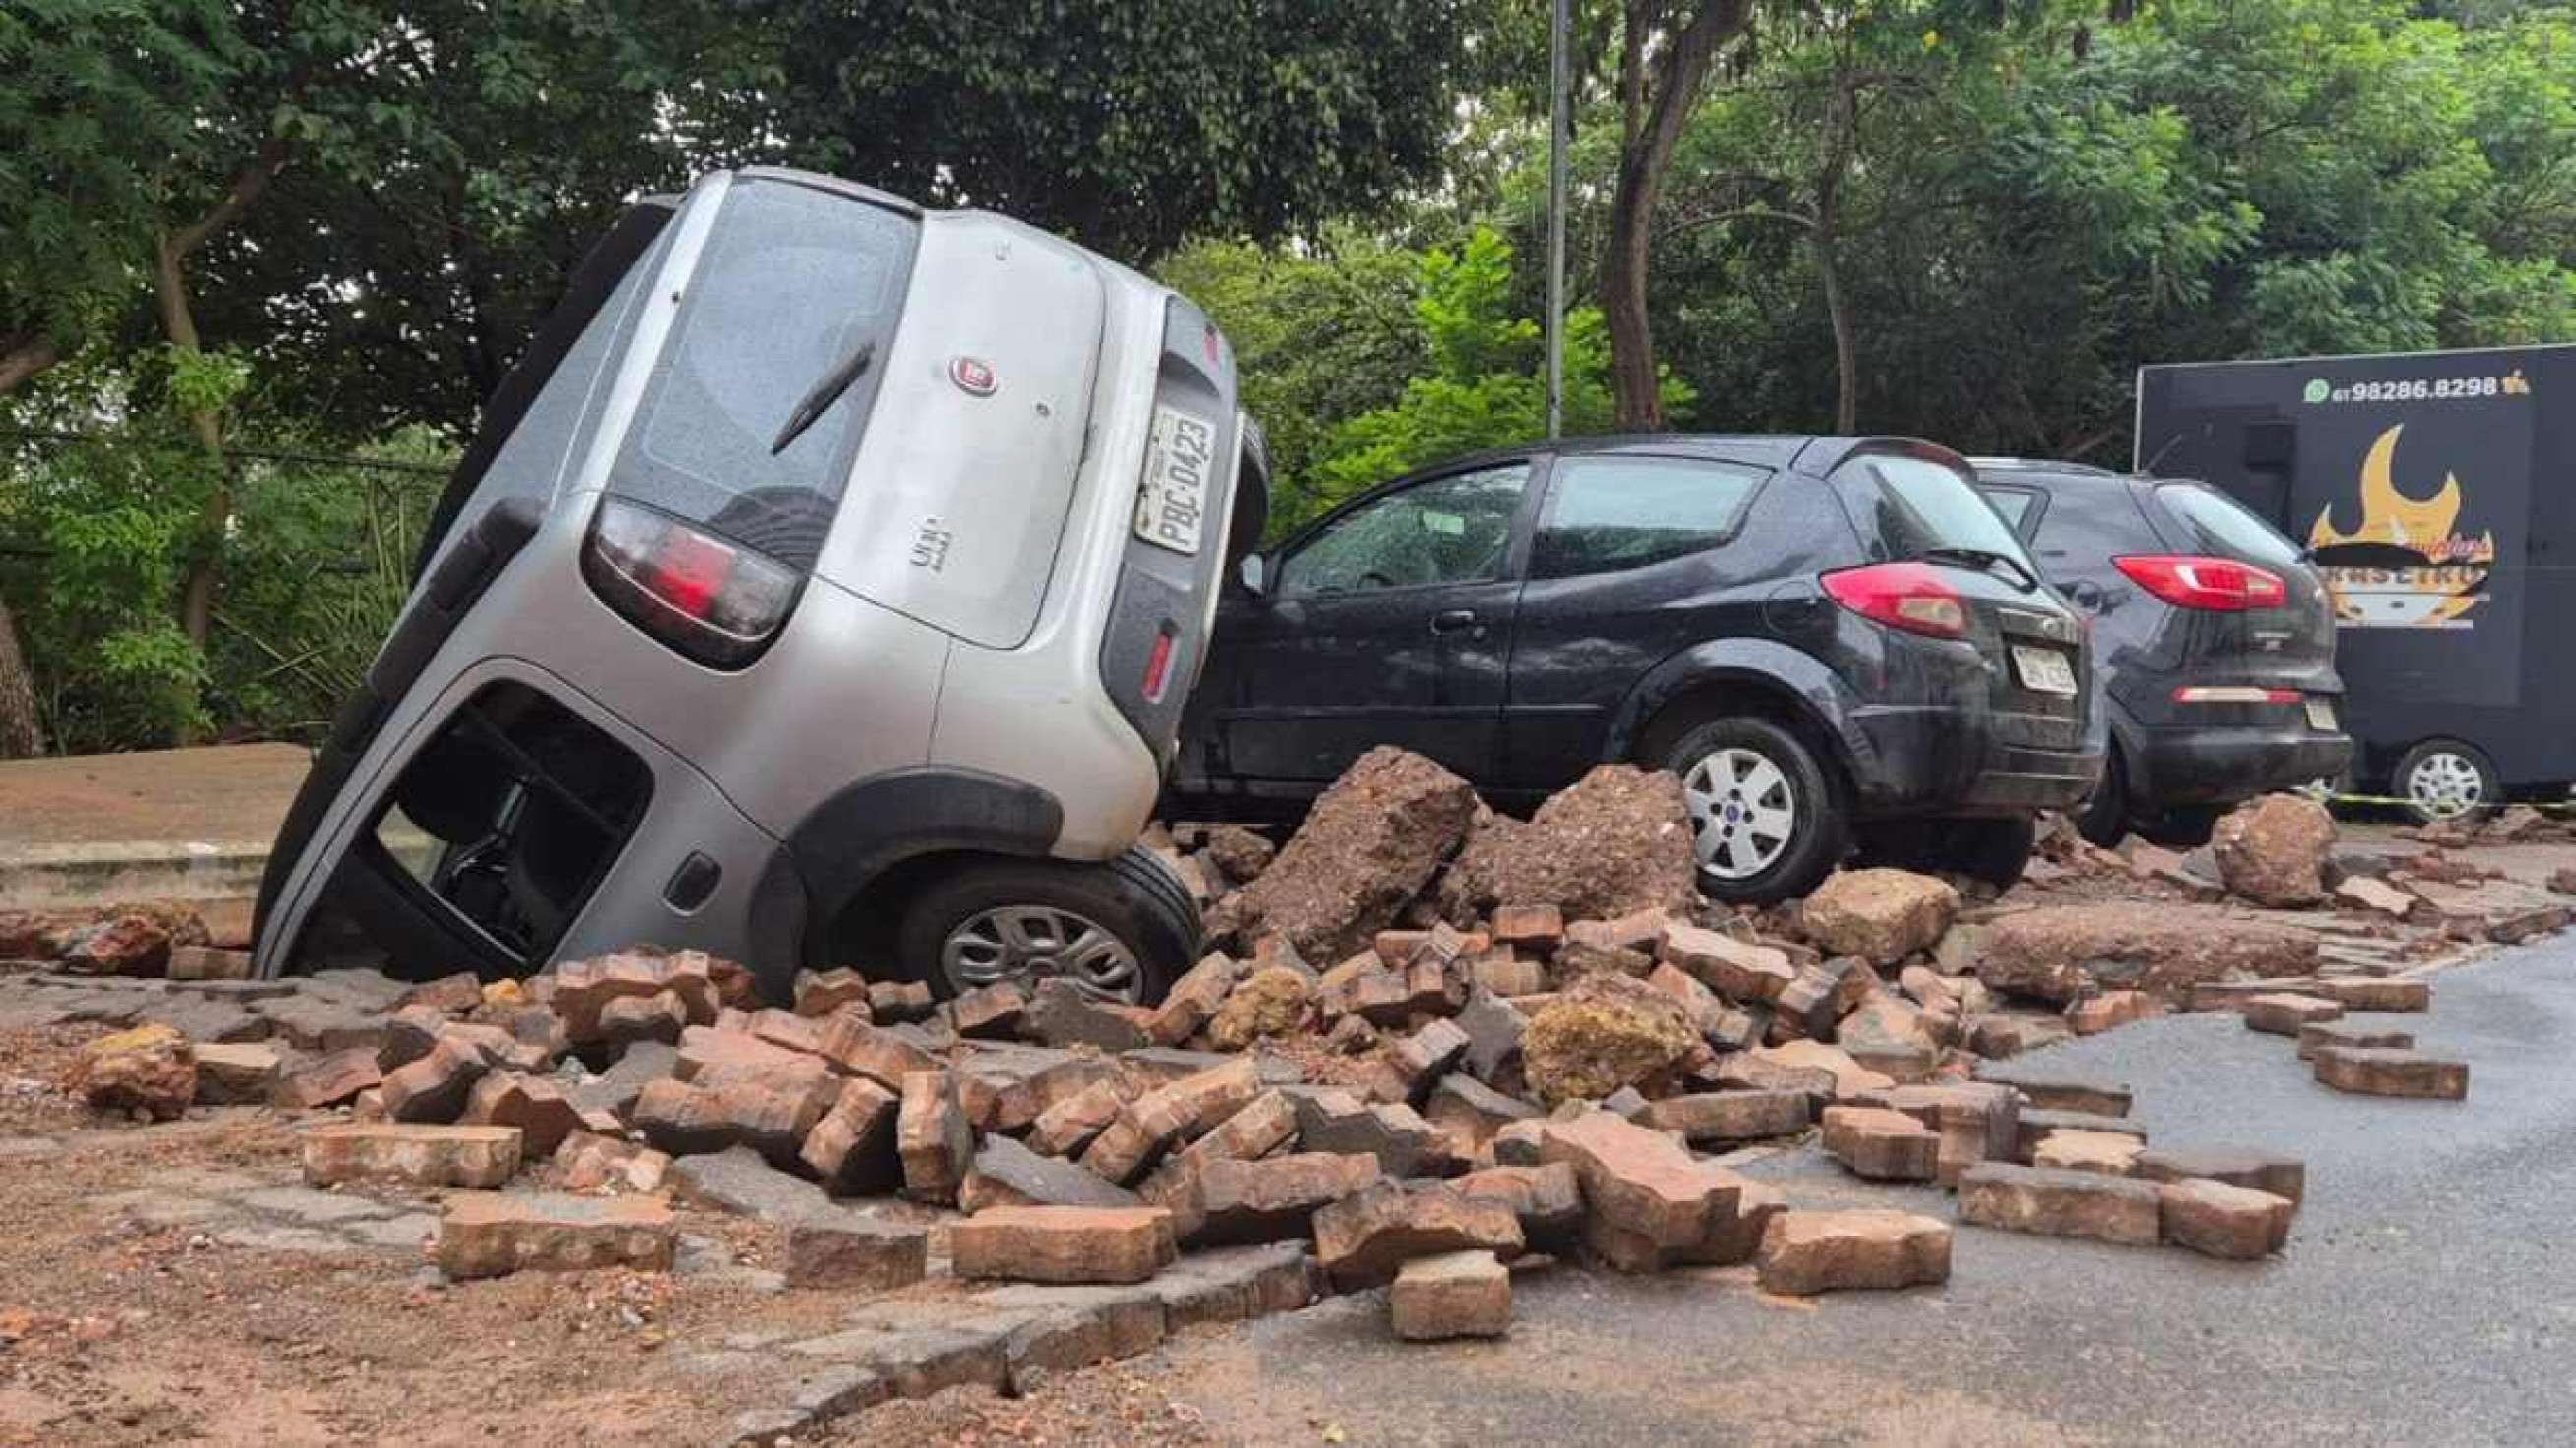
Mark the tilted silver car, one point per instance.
(823, 588)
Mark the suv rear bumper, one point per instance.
(1949, 759)
(2222, 764)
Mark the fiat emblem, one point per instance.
(973, 376)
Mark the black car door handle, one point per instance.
(1453, 620)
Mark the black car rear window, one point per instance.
(793, 281)
(2219, 524)
(1606, 513)
(1921, 504)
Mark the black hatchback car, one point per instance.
(1830, 640)
(2213, 641)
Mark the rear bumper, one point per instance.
(1947, 759)
(2222, 764)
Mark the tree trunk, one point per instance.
(23, 355)
(20, 737)
(1667, 98)
(179, 323)
(1820, 240)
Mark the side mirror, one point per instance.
(1254, 574)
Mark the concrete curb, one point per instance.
(50, 877)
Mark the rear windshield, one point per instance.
(792, 283)
(1921, 505)
(2218, 524)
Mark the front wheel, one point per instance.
(2445, 779)
(1992, 850)
(1764, 820)
(1119, 931)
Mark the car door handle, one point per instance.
(1454, 620)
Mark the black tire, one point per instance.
(2105, 816)
(1819, 828)
(1133, 900)
(2467, 803)
(1992, 850)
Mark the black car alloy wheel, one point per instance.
(1765, 821)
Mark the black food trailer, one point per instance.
(2437, 493)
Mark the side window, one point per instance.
(2016, 504)
(1455, 529)
(1606, 513)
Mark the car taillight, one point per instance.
(2229, 694)
(2218, 585)
(712, 599)
(1908, 596)
(1158, 666)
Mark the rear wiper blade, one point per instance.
(819, 399)
(1984, 560)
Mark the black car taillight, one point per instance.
(2212, 585)
(1907, 596)
(708, 597)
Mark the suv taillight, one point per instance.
(1907, 596)
(2218, 585)
(713, 600)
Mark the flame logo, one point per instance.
(2405, 566)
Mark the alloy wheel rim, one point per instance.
(1743, 813)
(2445, 785)
(1025, 944)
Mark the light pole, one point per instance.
(1558, 128)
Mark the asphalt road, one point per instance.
(2428, 1295)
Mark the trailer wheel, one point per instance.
(1122, 930)
(2447, 779)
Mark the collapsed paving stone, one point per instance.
(2391, 1073)
(2106, 1152)
(2283, 1014)
(207, 962)
(422, 1155)
(988, 1013)
(542, 1111)
(1616, 842)
(2061, 1203)
(1537, 927)
(1272, 1198)
(1451, 1295)
(1364, 1238)
(822, 993)
(1880, 915)
(488, 1234)
(1738, 971)
(1061, 1015)
(1368, 846)
(1068, 1126)
(1546, 1200)
(2092, 1098)
(2363, 892)
(330, 1080)
(932, 1137)
(1889, 1036)
(236, 1074)
(2368, 993)
(1880, 1144)
(881, 1053)
(1806, 1252)
(851, 1147)
(589, 1162)
(1007, 1174)
(1332, 1120)
(2005, 1034)
(855, 1254)
(2256, 1167)
(2273, 850)
(2060, 952)
(1473, 1111)
(1063, 1244)
(1264, 1125)
(2219, 1220)
(438, 1086)
(1730, 1116)
(2037, 1126)
(1193, 1000)
(1494, 1028)
(2110, 1010)
(1651, 1203)
(1850, 1077)
(770, 1113)
(2346, 1035)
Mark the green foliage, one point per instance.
(1485, 386)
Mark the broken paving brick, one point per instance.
(1730, 1116)
(1805, 1252)
(437, 1086)
(933, 1137)
(2034, 1127)
(2216, 1219)
(1547, 1200)
(2257, 1167)
(1733, 969)
(1059, 1013)
(851, 1147)
(2109, 1010)
(1473, 1111)
(823, 993)
(538, 1106)
(420, 1154)
(854, 1254)
(2391, 1073)
(1008, 1174)
(236, 1074)
(1880, 1144)
(2348, 1036)
(1540, 927)
(1068, 1126)
(2109, 1153)
(1193, 1000)
(1272, 1198)
(893, 1002)
(769, 1113)
(490, 1234)
(2374, 993)
(2095, 1098)
(1652, 1203)
(2061, 1203)
(988, 1013)
(1364, 1238)
(1063, 1244)
(2281, 1014)
(1450, 1295)
(879, 1053)
(588, 1161)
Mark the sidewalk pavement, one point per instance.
(180, 824)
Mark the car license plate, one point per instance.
(2321, 714)
(1171, 504)
(2044, 670)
